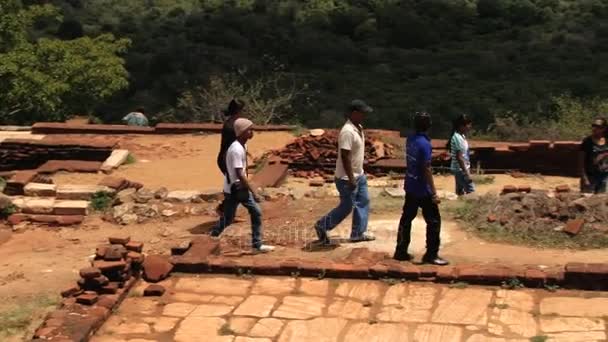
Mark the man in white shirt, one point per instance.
(237, 188)
(351, 181)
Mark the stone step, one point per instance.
(40, 190)
(70, 207)
(35, 205)
(80, 192)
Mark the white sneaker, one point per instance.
(265, 249)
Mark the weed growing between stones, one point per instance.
(101, 201)
(15, 320)
(7, 211)
(539, 339)
(459, 285)
(512, 284)
(130, 160)
(226, 331)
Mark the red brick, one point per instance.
(562, 189)
(115, 253)
(314, 268)
(136, 258)
(87, 299)
(116, 183)
(428, 271)
(135, 246)
(379, 271)
(573, 227)
(290, 266)
(492, 218)
(69, 292)
(53, 166)
(154, 291)
(220, 264)
(507, 189)
(156, 268)
(403, 271)
(100, 251)
(69, 220)
(119, 240)
(265, 266)
(446, 274)
(535, 278)
(524, 188)
(110, 288)
(45, 333)
(270, 176)
(341, 270)
(109, 266)
(90, 272)
(107, 301)
(15, 219)
(316, 184)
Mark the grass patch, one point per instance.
(8, 211)
(385, 203)
(130, 159)
(299, 130)
(101, 201)
(533, 232)
(539, 338)
(15, 320)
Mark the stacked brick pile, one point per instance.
(15, 185)
(21, 154)
(100, 289)
(309, 156)
(114, 264)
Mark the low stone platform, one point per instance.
(289, 309)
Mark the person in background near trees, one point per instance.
(237, 188)
(458, 146)
(594, 158)
(351, 181)
(420, 192)
(233, 112)
(136, 118)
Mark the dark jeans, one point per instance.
(230, 205)
(598, 184)
(430, 211)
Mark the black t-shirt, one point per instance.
(228, 137)
(596, 157)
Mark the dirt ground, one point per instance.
(43, 261)
(176, 161)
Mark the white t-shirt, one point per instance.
(350, 139)
(236, 158)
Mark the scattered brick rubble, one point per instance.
(311, 156)
(101, 287)
(523, 208)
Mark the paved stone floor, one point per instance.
(263, 309)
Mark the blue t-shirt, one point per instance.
(418, 153)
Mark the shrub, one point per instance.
(101, 201)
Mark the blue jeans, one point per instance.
(230, 206)
(351, 200)
(463, 185)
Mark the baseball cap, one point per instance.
(360, 106)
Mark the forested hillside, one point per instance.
(483, 57)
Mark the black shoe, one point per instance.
(435, 261)
(362, 238)
(403, 257)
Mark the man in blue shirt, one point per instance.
(420, 192)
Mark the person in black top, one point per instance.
(594, 158)
(235, 107)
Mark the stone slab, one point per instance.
(573, 306)
(300, 307)
(68, 207)
(80, 192)
(35, 205)
(183, 196)
(463, 306)
(256, 306)
(384, 332)
(117, 158)
(318, 329)
(40, 190)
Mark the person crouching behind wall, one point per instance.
(458, 146)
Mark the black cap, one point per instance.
(360, 106)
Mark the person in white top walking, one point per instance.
(351, 181)
(459, 150)
(237, 188)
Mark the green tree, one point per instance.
(49, 79)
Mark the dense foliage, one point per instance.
(484, 57)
